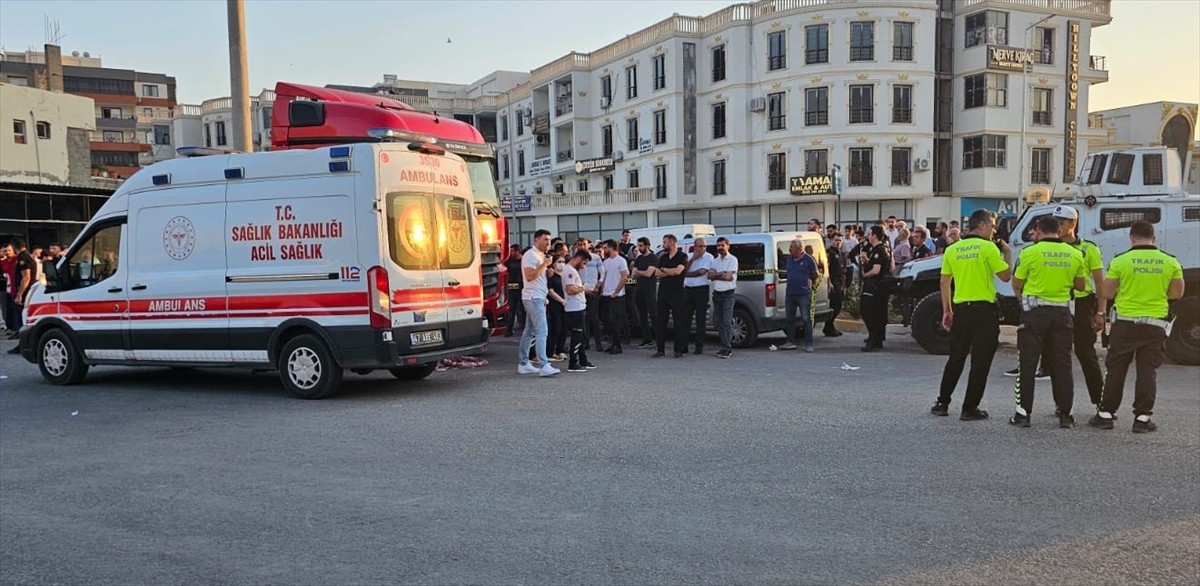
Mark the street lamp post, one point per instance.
(1025, 67)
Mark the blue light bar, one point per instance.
(235, 173)
(339, 152)
(162, 179)
(339, 166)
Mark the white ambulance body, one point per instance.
(358, 257)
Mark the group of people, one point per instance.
(1065, 295)
(20, 268)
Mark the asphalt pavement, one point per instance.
(768, 468)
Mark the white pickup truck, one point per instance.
(1116, 189)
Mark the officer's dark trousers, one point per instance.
(615, 320)
(1084, 340)
(673, 303)
(593, 319)
(696, 315)
(1045, 330)
(874, 310)
(575, 322)
(836, 296)
(644, 297)
(1128, 342)
(975, 333)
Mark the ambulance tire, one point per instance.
(411, 373)
(59, 360)
(1183, 347)
(307, 368)
(927, 325)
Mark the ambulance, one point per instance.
(308, 262)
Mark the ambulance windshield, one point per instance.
(429, 231)
(483, 184)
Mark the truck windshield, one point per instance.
(483, 184)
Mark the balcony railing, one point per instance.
(116, 123)
(1098, 63)
(612, 197)
(1102, 8)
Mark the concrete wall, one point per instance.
(45, 160)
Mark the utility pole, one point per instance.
(239, 79)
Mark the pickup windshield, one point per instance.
(483, 184)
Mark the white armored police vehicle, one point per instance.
(1116, 189)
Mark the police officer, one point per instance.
(1046, 272)
(973, 322)
(1143, 279)
(876, 259)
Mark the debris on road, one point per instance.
(848, 367)
(461, 362)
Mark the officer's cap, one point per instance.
(1066, 213)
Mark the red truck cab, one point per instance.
(306, 117)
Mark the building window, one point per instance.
(19, 131)
(901, 104)
(222, 140)
(719, 177)
(504, 128)
(985, 89)
(660, 127)
(816, 162)
(631, 129)
(606, 88)
(901, 166)
(816, 106)
(207, 135)
(110, 113)
(984, 151)
(862, 104)
(862, 41)
(778, 55)
(816, 44)
(559, 188)
(43, 129)
(606, 140)
(1043, 45)
(162, 134)
(660, 72)
(862, 167)
(520, 124)
(660, 182)
(1039, 171)
(581, 185)
(631, 82)
(504, 166)
(718, 129)
(902, 41)
(718, 63)
(988, 27)
(776, 171)
(149, 90)
(1152, 169)
(633, 179)
(520, 163)
(776, 111)
(608, 182)
(1042, 109)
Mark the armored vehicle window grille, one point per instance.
(1116, 218)
(1122, 169)
(1152, 169)
(1191, 214)
(1097, 174)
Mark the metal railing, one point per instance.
(612, 197)
(1097, 63)
(1092, 7)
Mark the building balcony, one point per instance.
(564, 106)
(541, 123)
(153, 118)
(1097, 69)
(119, 147)
(564, 157)
(116, 123)
(1098, 11)
(612, 197)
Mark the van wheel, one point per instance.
(413, 372)
(307, 369)
(927, 325)
(745, 331)
(1183, 347)
(59, 360)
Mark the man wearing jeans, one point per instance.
(723, 275)
(533, 297)
(801, 274)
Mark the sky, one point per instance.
(1152, 46)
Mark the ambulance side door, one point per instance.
(92, 294)
(462, 284)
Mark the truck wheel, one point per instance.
(307, 368)
(58, 359)
(745, 331)
(1183, 347)
(411, 373)
(927, 325)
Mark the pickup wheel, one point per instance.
(1183, 347)
(745, 331)
(927, 325)
(411, 373)
(307, 368)
(59, 360)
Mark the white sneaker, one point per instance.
(548, 371)
(527, 368)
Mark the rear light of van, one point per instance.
(770, 295)
(379, 291)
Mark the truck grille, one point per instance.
(490, 258)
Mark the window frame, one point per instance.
(606, 140)
(821, 54)
(660, 71)
(660, 181)
(818, 115)
(900, 50)
(20, 131)
(777, 111)
(1040, 174)
(860, 177)
(862, 52)
(1042, 117)
(1157, 178)
(721, 125)
(719, 177)
(660, 126)
(1127, 216)
(1120, 172)
(718, 66)
(632, 130)
(42, 129)
(776, 50)
(902, 177)
(822, 160)
(776, 171)
(222, 136)
(902, 115)
(631, 89)
(633, 178)
(859, 112)
(74, 280)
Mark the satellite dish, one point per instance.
(86, 54)
(74, 53)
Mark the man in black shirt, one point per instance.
(626, 245)
(671, 301)
(876, 261)
(643, 293)
(23, 274)
(515, 310)
(837, 283)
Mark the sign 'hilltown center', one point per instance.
(1072, 95)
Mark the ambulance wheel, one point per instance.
(927, 325)
(1183, 347)
(307, 368)
(413, 372)
(745, 331)
(58, 359)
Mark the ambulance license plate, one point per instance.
(426, 338)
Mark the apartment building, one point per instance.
(133, 109)
(211, 123)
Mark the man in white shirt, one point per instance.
(576, 310)
(591, 281)
(533, 296)
(891, 231)
(723, 275)
(612, 294)
(695, 286)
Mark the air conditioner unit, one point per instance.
(541, 139)
(758, 104)
(619, 156)
(527, 121)
(604, 102)
(922, 164)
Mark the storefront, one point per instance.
(1003, 206)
